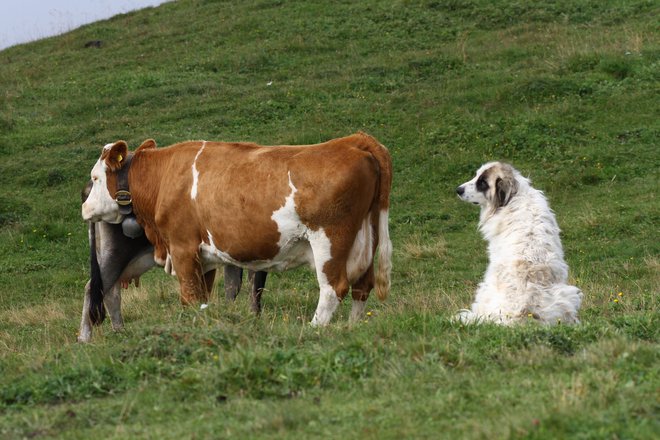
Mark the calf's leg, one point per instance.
(85, 332)
(112, 301)
(233, 280)
(258, 280)
(209, 278)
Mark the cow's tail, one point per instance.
(96, 307)
(382, 156)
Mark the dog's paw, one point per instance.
(465, 316)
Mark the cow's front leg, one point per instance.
(191, 279)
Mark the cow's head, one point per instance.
(100, 204)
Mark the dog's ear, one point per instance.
(505, 188)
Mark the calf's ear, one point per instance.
(115, 155)
(147, 145)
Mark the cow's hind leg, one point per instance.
(360, 292)
(330, 273)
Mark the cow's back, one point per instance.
(232, 190)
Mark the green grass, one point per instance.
(567, 91)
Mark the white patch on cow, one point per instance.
(298, 253)
(326, 307)
(108, 146)
(361, 253)
(195, 173)
(294, 246)
(328, 300)
(100, 205)
(211, 256)
(288, 221)
(168, 264)
(211, 253)
(357, 310)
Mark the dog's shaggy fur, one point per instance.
(527, 275)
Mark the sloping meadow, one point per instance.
(567, 92)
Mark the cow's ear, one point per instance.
(115, 155)
(147, 145)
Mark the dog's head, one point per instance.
(492, 187)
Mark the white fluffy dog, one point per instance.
(527, 275)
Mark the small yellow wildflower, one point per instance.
(369, 313)
(529, 315)
(620, 293)
(616, 300)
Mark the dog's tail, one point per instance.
(563, 307)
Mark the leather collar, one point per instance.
(123, 195)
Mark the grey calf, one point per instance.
(116, 260)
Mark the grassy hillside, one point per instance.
(567, 91)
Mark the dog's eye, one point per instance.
(482, 185)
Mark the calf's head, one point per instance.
(101, 204)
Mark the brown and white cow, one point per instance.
(261, 208)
